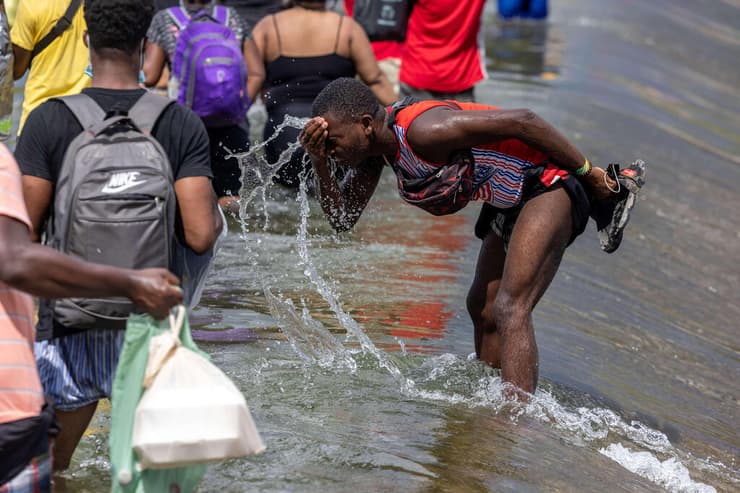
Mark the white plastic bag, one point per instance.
(191, 413)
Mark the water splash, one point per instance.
(670, 473)
(345, 319)
(455, 380)
(309, 338)
(257, 173)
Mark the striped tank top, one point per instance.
(499, 167)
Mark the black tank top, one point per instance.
(301, 79)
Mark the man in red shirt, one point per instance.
(442, 59)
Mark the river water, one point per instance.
(353, 350)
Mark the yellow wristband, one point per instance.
(584, 170)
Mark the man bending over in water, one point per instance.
(538, 192)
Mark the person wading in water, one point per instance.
(538, 191)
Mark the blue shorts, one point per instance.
(78, 369)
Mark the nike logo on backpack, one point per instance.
(122, 181)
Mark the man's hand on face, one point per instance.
(314, 135)
(155, 290)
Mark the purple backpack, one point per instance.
(208, 67)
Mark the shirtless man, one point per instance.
(538, 191)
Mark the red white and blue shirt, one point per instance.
(499, 167)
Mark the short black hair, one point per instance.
(118, 24)
(346, 98)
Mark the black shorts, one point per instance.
(227, 173)
(501, 221)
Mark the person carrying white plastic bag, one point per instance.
(190, 414)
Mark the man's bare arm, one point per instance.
(21, 61)
(201, 219)
(344, 202)
(37, 193)
(438, 133)
(441, 132)
(42, 271)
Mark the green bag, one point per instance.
(127, 390)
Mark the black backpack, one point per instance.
(383, 20)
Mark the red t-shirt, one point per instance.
(441, 52)
(382, 49)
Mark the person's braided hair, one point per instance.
(346, 98)
(118, 24)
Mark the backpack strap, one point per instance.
(84, 108)
(221, 14)
(398, 106)
(62, 25)
(147, 110)
(179, 16)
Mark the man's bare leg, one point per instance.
(481, 296)
(536, 248)
(73, 424)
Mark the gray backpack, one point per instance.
(114, 202)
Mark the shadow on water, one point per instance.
(354, 362)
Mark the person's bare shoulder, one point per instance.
(261, 27)
(431, 132)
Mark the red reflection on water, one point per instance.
(433, 245)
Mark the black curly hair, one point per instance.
(346, 98)
(118, 24)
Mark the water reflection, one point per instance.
(423, 313)
(522, 47)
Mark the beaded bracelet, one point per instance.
(584, 170)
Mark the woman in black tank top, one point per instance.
(304, 48)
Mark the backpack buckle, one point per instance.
(116, 112)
